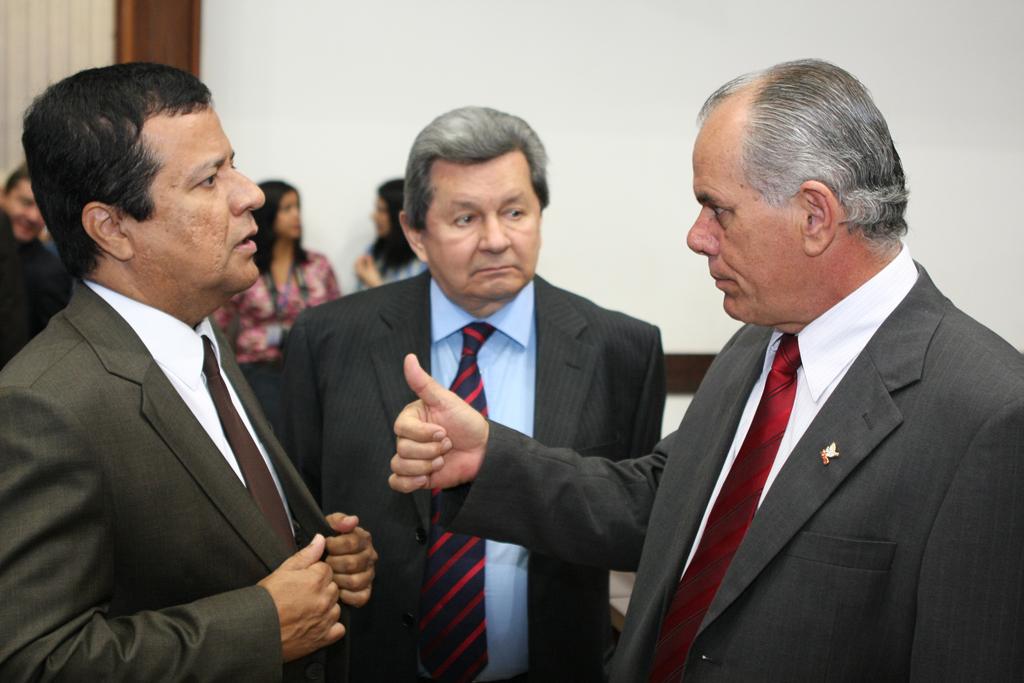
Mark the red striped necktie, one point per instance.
(453, 621)
(730, 515)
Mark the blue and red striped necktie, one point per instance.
(730, 515)
(453, 621)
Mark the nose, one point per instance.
(494, 237)
(702, 237)
(247, 195)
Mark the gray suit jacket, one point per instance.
(130, 548)
(903, 559)
(600, 389)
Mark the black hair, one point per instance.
(17, 175)
(392, 250)
(274, 191)
(83, 143)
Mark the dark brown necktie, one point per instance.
(730, 515)
(250, 460)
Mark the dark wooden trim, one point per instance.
(163, 31)
(684, 371)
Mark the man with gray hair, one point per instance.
(844, 499)
(529, 355)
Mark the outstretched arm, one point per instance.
(583, 510)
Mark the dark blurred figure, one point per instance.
(47, 283)
(291, 280)
(390, 258)
(13, 318)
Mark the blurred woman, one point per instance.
(291, 279)
(390, 258)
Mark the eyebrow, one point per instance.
(473, 204)
(199, 173)
(705, 198)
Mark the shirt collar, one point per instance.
(832, 341)
(514, 319)
(175, 346)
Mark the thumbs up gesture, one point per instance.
(441, 439)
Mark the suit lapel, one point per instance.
(711, 425)
(564, 367)
(405, 327)
(123, 354)
(304, 511)
(188, 441)
(858, 416)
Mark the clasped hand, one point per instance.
(306, 589)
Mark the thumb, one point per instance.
(307, 556)
(342, 523)
(429, 391)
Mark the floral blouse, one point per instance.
(257, 325)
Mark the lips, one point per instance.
(247, 243)
(494, 270)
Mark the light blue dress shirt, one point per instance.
(508, 365)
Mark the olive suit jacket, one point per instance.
(599, 388)
(131, 550)
(902, 559)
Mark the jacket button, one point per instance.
(408, 619)
(421, 535)
(314, 671)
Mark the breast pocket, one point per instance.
(840, 551)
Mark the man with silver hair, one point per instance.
(844, 499)
(527, 354)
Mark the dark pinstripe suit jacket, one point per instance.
(903, 559)
(600, 390)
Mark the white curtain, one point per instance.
(42, 41)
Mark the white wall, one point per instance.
(329, 95)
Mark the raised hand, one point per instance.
(441, 440)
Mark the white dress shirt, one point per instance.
(178, 350)
(828, 347)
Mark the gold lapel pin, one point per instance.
(828, 453)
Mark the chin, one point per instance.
(734, 310)
(244, 279)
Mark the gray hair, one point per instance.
(811, 120)
(469, 135)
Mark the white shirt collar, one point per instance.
(831, 342)
(175, 346)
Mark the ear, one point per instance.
(414, 237)
(106, 226)
(821, 216)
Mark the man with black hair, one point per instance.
(47, 284)
(13, 318)
(153, 529)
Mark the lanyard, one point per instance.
(280, 299)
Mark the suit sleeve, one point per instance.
(58, 573)
(590, 511)
(970, 602)
(303, 416)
